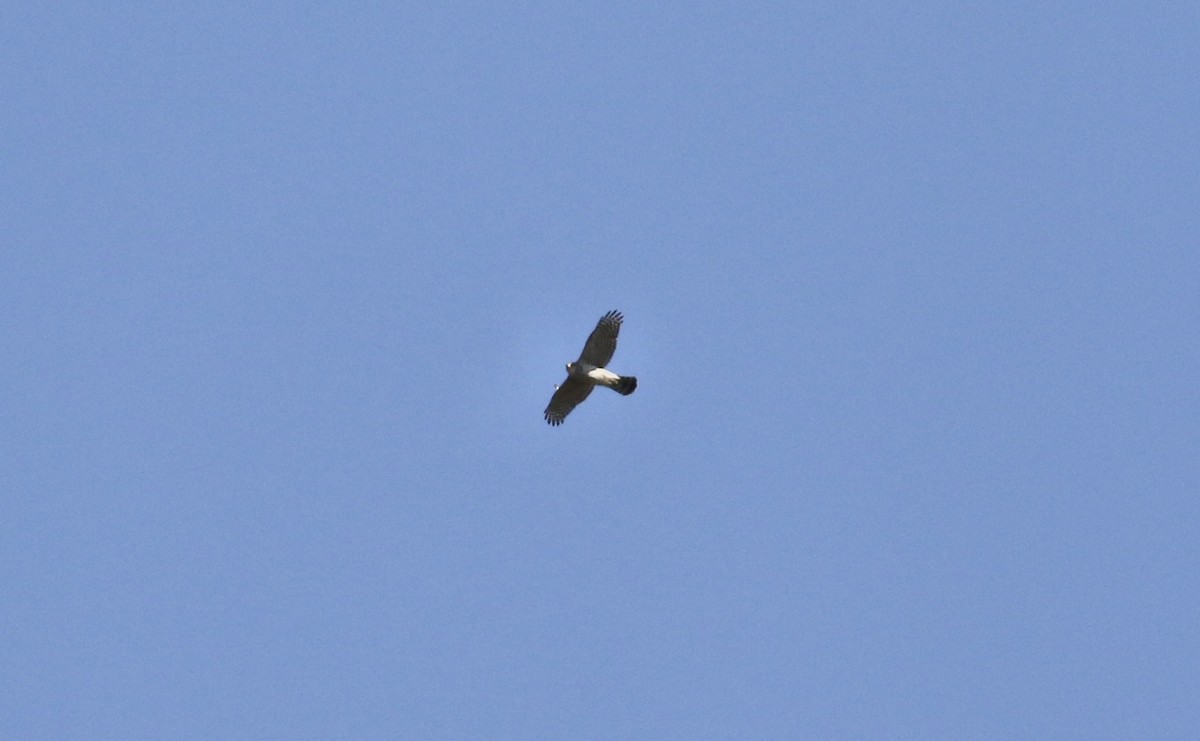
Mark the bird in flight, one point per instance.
(588, 372)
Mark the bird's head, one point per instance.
(570, 367)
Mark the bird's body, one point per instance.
(588, 371)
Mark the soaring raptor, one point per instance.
(588, 372)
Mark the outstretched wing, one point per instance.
(602, 343)
(566, 398)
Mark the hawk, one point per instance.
(588, 372)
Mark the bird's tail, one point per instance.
(626, 385)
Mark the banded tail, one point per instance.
(626, 385)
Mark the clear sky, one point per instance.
(912, 292)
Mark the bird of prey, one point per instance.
(588, 372)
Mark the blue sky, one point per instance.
(911, 293)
